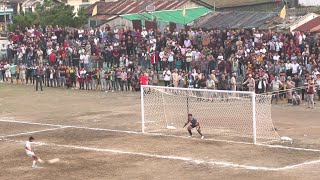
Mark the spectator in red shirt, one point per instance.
(52, 58)
(143, 79)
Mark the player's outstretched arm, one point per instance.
(186, 123)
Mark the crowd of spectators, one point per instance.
(112, 59)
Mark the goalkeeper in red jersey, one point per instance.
(194, 123)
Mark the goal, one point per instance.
(223, 115)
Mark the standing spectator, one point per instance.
(318, 86)
(143, 79)
(276, 84)
(40, 74)
(22, 73)
(310, 92)
(13, 71)
(63, 74)
(289, 86)
(250, 82)
(166, 77)
(175, 78)
(123, 81)
(82, 78)
(3, 52)
(233, 82)
(102, 76)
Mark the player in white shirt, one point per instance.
(30, 152)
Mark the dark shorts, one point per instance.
(194, 125)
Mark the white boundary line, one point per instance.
(178, 158)
(159, 134)
(32, 132)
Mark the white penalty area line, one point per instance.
(32, 132)
(177, 158)
(159, 134)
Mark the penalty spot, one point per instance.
(52, 161)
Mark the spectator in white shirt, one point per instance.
(295, 67)
(187, 42)
(166, 77)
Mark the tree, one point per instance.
(51, 13)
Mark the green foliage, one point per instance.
(51, 13)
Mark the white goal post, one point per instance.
(239, 116)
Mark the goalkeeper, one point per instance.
(194, 123)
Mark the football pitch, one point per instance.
(97, 135)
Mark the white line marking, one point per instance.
(159, 134)
(179, 158)
(32, 132)
(66, 126)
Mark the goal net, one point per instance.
(223, 115)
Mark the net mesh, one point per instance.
(222, 115)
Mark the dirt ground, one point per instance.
(97, 136)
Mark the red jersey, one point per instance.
(52, 57)
(143, 80)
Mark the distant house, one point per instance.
(302, 20)
(310, 26)
(26, 6)
(78, 4)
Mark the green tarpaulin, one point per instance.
(174, 16)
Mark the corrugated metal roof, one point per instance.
(234, 20)
(310, 25)
(237, 3)
(132, 6)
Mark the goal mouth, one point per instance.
(240, 116)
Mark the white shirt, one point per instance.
(276, 85)
(144, 33)
(28, 147)
(7, 68)
(288, 66)
(197, 55)
(166, 75)
(276, 57)
(295, 67)
(318, 83)
(171, 58)
(84, 58)
(80, 32)
(161, 54)
(315, 73)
